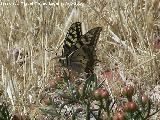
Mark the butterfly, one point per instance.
(79, 50)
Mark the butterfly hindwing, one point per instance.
(78, 60)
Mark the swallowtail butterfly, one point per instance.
(79, 50)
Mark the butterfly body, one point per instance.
(79, 50)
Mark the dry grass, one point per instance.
(125, 44)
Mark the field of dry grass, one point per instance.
(31, 35)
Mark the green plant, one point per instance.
(4, 112)
(92, 100)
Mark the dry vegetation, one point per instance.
(31, 35)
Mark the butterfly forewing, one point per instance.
(73, 35)
(91, 37)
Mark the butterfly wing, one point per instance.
(78, 49)
(90, 39)
(78, 60)
(73, 35)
